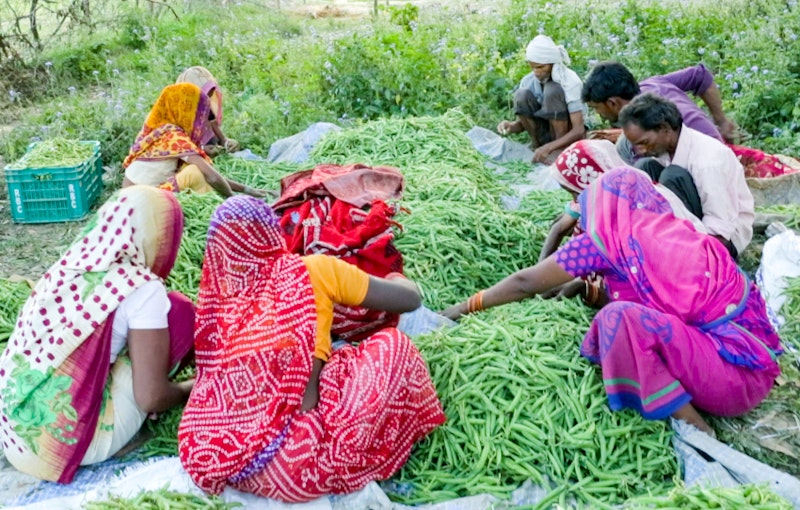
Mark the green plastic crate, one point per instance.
(47, 195)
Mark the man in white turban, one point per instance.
(548, 102)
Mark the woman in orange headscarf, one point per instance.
(215, 141)
(167, 152)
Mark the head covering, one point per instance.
(583, 162)
(176, 126)
(542, 50)
(55, 367)
(203, 78)
(254, 344)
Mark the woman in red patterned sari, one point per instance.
(274, 412)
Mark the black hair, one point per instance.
(607, 80)
(650, 112)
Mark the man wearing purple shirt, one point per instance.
(610, 86)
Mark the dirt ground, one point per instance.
(29, 249)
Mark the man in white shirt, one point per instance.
(701, 170)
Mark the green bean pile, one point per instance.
(257, 174)
(790, 211)
(452, 249)
(54, 153)
(197, 210)
(521, 403)
(162, 499)
(14, 295)
(790, 331)
(751, 497)
(456, 239)
(405, 143)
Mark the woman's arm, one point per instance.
(394, 294)
(311, 395)
(560, 228)
(214, 179)
(523, 284)
(222, 185)
(152, 389)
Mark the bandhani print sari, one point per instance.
(54, 372)
(254, 344)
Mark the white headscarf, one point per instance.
(543, 50)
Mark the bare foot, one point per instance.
(690, 415)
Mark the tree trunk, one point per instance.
(34, 26)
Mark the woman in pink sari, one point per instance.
(92, 350)
(275, 412)
(683, 331)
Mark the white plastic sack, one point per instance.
(780, 260)
(297, 148)
(498, 148)
(421, 321)
(728, 467)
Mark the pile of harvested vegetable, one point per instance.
(521, 403)
(162, 500)
(697, 498)
(55, 153)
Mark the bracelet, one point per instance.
(248, 190)
(592, 293)
(475, 302)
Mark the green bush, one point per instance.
(285, 72)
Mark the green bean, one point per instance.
(161, 499)
(699, 498)
(54, 153)
(525, 429)
(14, 295)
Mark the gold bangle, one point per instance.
(475, 302)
